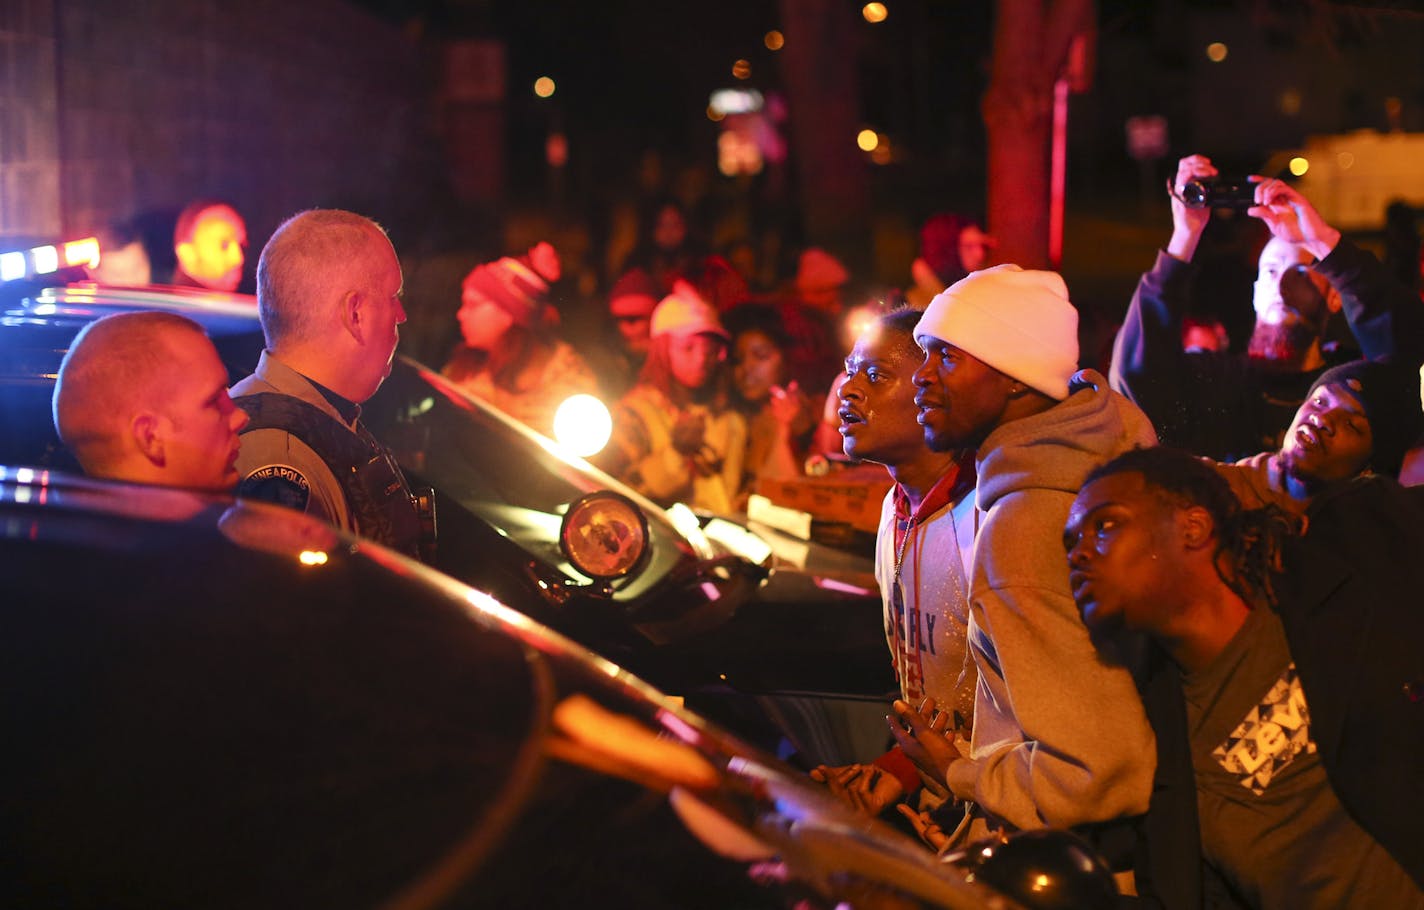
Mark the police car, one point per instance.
(699, 606)
(216, 703)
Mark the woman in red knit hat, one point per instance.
(509, 355)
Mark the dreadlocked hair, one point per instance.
(1248, 541)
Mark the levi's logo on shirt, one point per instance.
(1270, 736)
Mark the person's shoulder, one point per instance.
(278, 467)
(1374, 499)
(1031, 506)
(463, 363)
(275, 447)
(251, 385)
(1020, 541)
(566, 365)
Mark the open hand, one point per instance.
(866, 788)
(1292, 218)
(786, 403)
(927, 738)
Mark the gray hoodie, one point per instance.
(1060, 737)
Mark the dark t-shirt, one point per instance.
(1270, 822)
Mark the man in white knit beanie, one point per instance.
(1059, 736)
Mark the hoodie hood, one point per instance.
(1055, 449)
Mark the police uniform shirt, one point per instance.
(276, 466)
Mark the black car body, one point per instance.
(702, 615)
(224, 704)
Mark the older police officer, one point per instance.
(329, 296)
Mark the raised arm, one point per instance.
(1386, 317)
(1148, 364)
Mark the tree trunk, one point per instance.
(818, 67)
(1031, 43)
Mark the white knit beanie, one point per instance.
(1018, 322)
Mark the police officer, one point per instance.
(328, 293)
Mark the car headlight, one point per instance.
(582, 425)
(604, 535)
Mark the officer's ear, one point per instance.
(146, 429)
(353, 315)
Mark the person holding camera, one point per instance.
(1229, 406)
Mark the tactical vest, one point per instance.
(376, 492)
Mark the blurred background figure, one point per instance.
(617, 356)
(780, 417)
(1204, 333)
(812, 315)
(510, 355)
(123, 260)
(721, 284)
(666, 249)
(675, 436)
(210, 243)
(951, 246)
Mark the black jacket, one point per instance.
(1223, 405)
(1351, 598)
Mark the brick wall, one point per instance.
(274, 105)
(29, 133)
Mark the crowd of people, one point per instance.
(1169, 607)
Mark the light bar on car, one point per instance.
(48, 259)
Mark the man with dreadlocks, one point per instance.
(1287, 772)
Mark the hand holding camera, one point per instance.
(1188, 221)
(1292, 218)
(1198, 188)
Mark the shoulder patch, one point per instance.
(281, 484)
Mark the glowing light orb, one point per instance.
(774, 40)
(874, 12)
(867, 140)
(582, 425)
(544, 87)
(1299, 166)
(1216, 52)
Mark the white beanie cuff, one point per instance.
(1019, 322)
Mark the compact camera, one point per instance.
(1219, 194)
